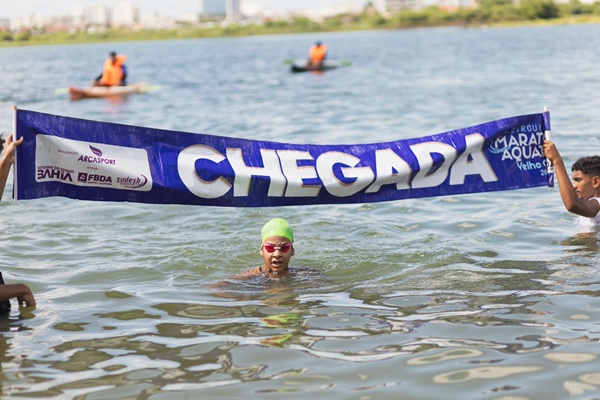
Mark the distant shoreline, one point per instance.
(121, 35)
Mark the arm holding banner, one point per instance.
(20, 291)
(576, 196)
(7, 160)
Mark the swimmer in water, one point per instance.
(277, 249)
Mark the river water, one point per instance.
(481, 296)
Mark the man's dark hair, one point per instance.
(588, 165)
(2, 143)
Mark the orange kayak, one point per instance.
(76, 93)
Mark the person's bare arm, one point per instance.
(7, 160)
(572, 202)
(21, 291)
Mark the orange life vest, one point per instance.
(317, 53)
(112, 73)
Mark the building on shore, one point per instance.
(319, 14)
(228, 10)
(125, 14)
(395, 6)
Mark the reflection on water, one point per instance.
(507, 324)
(472, 322)
(214, 346)
(585, 243)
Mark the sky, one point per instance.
(19, 8)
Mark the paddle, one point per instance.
(344, 63)
(150, 88)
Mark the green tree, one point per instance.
(539, 9)
(23, 36)
(575, 7)
(488, 4)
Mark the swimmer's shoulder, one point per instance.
(248, 274)
(305, 270)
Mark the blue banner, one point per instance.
(91, 160)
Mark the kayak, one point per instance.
(106, 91)
(303, 66)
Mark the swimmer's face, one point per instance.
(585, 185)
(277, 261)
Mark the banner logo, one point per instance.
(97, 152)
(60, 160)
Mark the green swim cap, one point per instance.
(277, 227)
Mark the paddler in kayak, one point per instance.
(317, 54)
(114, 72)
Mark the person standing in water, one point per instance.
(582, 196)
(20, 291)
